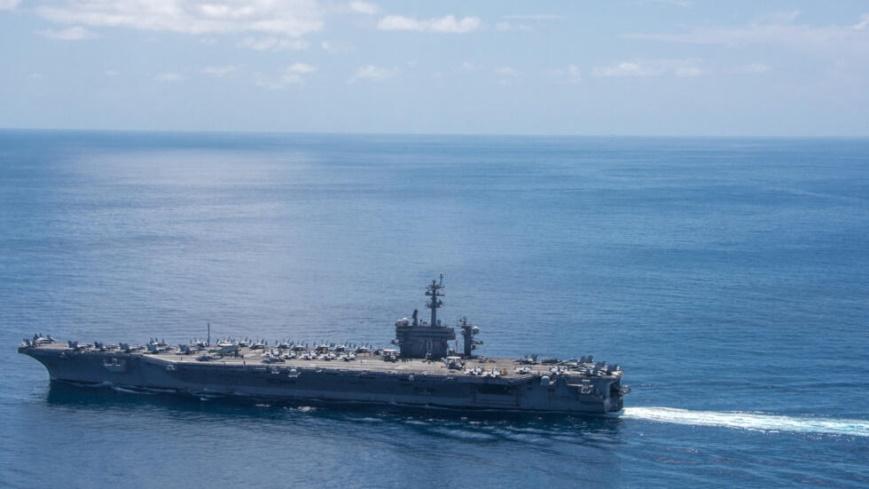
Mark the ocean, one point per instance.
(728, 277)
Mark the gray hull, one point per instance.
(335, 383)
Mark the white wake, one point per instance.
(750, 421)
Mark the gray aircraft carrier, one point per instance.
(422, 372)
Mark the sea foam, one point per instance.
(750, 421)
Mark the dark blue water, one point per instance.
(729, 277)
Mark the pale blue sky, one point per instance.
(636, 67)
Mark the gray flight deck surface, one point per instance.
(423, 373)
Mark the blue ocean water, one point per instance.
(729, 277)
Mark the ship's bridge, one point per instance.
(421, 339)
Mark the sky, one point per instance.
(582, 67)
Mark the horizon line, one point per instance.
(248, 132)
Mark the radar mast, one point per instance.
(434, 290)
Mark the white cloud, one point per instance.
(296, 71)
(680, 68)
(525, 22)
(571, 74)
(574, 74)
(687, 71)
(533, 17)
(219, 71)
(294, 74)
(751, 69)
(686, 68)
(74, 33)
(372, 73)
(624, 68)
(337, 47)
(365, 8)
(506, 75)
(9, 4)
(777, 29)
(446, 24)
(782, 17)
(273, 44)
(169, 77)
(111, 73)
(674, 3)
(506, 26)
(290, 18)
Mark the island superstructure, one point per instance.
(423, 372)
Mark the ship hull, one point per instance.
(328, 384)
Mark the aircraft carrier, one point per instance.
(421, 371)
